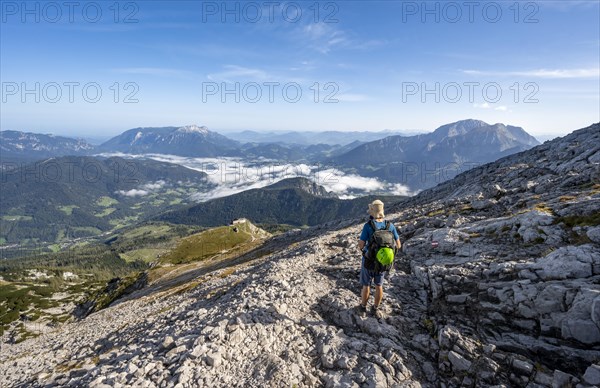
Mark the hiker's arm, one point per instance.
(398, 244)
(361, 245)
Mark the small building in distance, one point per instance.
(239, 221)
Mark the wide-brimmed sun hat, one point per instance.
(376, 209)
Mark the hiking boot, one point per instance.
(376, 312)
(361, 310)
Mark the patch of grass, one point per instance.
(2, 240)
(103, 298)
(567, 198)
(146, 230)
(68, 210)
(106, 201)
(465, 209)
(87, 230)
(54, 248)
(118, 223)
(147, 255)
(17, 218)
(579, 238)
(542, 207)
(207, 244)
(587, 220)
(429, 325)
(436, 213)
(105, 212)
(60, 235)
(538, 240)
(505, 228)
(227, 272)
(176, 201)
(68, 366)
(188, 287)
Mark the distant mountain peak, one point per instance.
(187, 140)
(303, 184)
(193, 128)
(463, 143)
(459, 128)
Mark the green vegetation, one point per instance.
(54, 248)
(105, 212)
(122, 257)
(587, 220)
(277, 228)
(122, 222)
(68, 209)
(19, 298)
(207, 244)
(567, 198)
(17, 218)
(114, 290)
(87, 230)
(288, 202)
(542, 207)
(66, 204)
(106, 201)
(436, 213)
(147, 255)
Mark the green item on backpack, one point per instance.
(385, 256)
(381, 249)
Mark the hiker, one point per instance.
(372, 270)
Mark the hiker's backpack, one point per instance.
(381, 248)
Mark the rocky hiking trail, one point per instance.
(498, 285)
(288, 321)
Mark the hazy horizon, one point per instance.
(101, 136)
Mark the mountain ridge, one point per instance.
(422, 161)
(292, 201)
(189, 140)
(27, 145)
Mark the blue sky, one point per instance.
(375, 64)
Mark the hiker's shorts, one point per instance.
(367, 276)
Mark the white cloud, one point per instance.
(133, 193)
(400, 189)
(154, 186)
(486, 105)
(143, 190)
(341, 183)
(233, 175)
(322, 37)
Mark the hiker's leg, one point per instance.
(365, 295)
(365, 281)
(378, 295)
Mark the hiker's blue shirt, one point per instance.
(367, 232)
